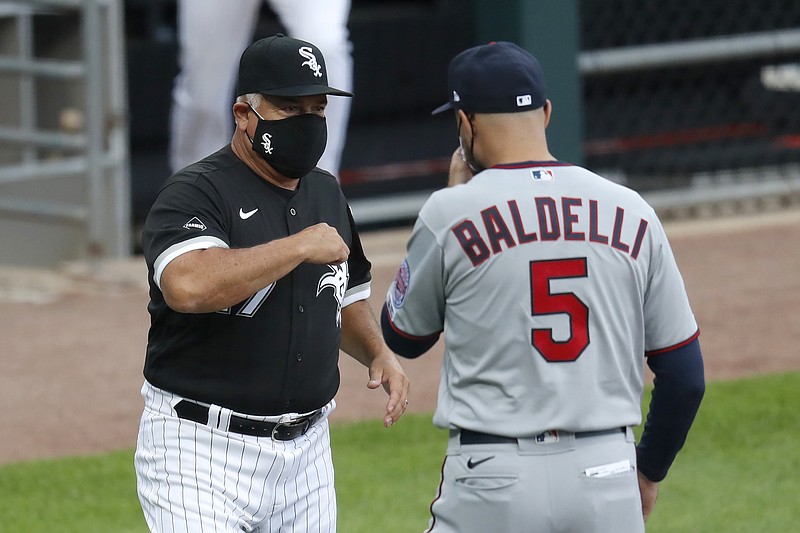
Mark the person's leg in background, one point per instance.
(324, 23)
(212, 35)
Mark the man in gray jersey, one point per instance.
(552, 286)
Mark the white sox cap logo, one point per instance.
(307, 53)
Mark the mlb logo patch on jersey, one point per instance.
(194, 223)
(542, 175)
(400, 285)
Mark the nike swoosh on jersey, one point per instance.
(472, 464)
(245, 216)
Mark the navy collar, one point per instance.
(529, 164)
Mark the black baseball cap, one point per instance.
(283, 66)
(499, 77)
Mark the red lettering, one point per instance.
(548, 219)
(637, 244)
(470, 240)
(616, 237)
(522, 236)
(571, 219)
(496, 229)
(594, 234)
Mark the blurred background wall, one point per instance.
(691, 102)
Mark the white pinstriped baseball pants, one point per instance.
(195, 478)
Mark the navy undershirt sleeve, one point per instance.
(403, 344)
(678, 389)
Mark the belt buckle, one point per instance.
(286, 430)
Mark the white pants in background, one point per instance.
(212, 35)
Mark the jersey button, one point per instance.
(301, 308)
(299, 357)
(292, 211)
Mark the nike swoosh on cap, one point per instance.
(245, 216)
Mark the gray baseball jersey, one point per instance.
(548, 281)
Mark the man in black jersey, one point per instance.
(257, 278)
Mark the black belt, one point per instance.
(476, 437)
(195, 412)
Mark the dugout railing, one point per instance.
(64, 161)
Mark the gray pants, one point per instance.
(553, 483)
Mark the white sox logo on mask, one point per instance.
(301, 140)
(336, 280)
(307, 53)
(266, 142)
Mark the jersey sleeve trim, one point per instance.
(177, 250)
(357, 293)
(674, 346)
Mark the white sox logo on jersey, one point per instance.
(307, 53)
(266, 142)
(336, 280)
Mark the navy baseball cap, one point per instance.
(283, 66)
(499, 77)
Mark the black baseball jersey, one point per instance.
(276, 352)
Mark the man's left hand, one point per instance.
(649, 492)
(386, 371)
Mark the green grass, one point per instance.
(738, 473)
(71, 495)
(386, 479)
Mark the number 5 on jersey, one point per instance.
(546, 302)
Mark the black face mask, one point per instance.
(469, 155)
(293, 145)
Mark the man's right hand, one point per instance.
(323, 245)
(459, 170)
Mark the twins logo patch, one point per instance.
(542, 175)
(194, 223)
(400, 285)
